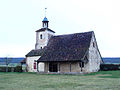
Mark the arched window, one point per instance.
(41, 36)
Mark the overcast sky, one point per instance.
(19, 19)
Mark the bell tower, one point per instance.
(45, 22)
(43, 35)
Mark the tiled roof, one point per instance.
(35, 53)
(43, 29)
(71, 47)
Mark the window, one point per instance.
(41, 47)
(45, 24)
(93, 44)
(41, 36)
(81, 64)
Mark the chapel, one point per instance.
(68, 53)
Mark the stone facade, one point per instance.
(94, 56)
(42, 39)
(69, 67)
(30, 64)
(93, 64)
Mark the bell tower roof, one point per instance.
(43, 29)
(45, 20)
(45, 24)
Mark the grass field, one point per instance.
(104, 80)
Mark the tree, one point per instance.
(12, 67)
(7, 61)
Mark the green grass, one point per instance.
(103, 80)
(107, 74)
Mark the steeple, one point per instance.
(44, 34)
(45, 20)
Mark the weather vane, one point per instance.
(45, 11)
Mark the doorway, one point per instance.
(53, 67)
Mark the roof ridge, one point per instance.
(74, 33)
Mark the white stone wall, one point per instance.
(86, 67)
(30, 64)
(45, 38)
(94, 56)
(41, 67)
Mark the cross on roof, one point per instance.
(45, 11)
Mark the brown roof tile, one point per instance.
(71, 47)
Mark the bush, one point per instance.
(107, 67)
(11, 69)
(18, 69)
